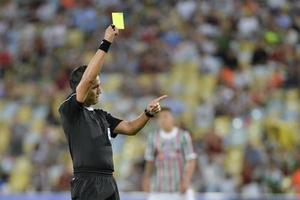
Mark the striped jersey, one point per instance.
(169, 152)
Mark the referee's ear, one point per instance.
(76, 76)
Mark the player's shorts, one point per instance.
(91, 186)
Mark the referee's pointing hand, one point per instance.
(154, 106)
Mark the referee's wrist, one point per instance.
(104, 45)
(148, 114)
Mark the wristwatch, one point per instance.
(148, 114)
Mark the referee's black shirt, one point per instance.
(88, 132)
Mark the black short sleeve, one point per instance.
(70, 108)
(113, 123)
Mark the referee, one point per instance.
(88, 131)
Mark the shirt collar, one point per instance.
(90, 108)
(169, 135)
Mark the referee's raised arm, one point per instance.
(95, 64)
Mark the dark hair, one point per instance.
(76, 76)
(166, 109)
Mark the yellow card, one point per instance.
(118, 20)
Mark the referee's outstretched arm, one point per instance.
(94, 67)
(134, 126)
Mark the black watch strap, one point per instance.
(148, 114)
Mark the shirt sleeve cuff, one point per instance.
(191, 156)
(112, 133)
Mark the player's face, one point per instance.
(166, 120)
(94, 92)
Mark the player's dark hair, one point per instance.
(164, 108)
(76, 76)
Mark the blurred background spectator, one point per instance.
(231, 70)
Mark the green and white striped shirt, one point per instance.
(169, 152)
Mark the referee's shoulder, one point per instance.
(66, 101)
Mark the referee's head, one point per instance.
(93, 92)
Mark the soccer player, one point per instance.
(88, 130)
(170, 160)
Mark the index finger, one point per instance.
(161, 98)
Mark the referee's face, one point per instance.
(93, 93)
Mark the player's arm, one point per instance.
(94, 67)
(134, 126)
(189, 169)
(147, 175)
(190, 164)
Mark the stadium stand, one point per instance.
(231, 70)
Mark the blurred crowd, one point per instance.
(231, 69)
